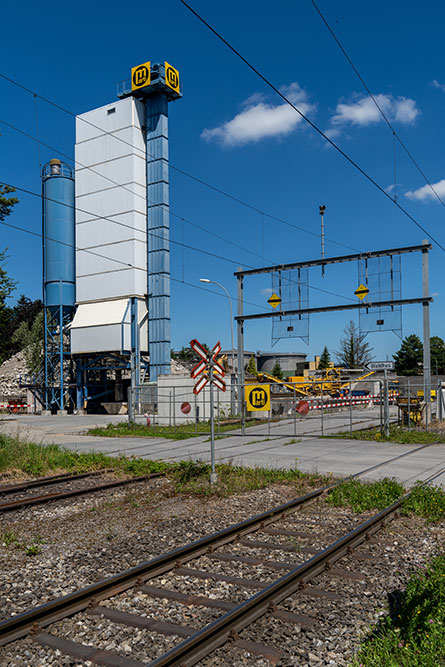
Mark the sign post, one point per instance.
(385, 404)
(213, 373)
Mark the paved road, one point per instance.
(284, 445)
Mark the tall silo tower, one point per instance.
(122, 231)
(58, 278)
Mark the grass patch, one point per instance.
(182, 432)
(413, 633)
(396, 434)
(35, 460)
(425, 501)
(192, 478)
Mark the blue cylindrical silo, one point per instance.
(59, 274)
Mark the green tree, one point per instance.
(277, 371)
(437, 348)
(353, 352)
(408, 360)
(325, 359)
(7, 285)
(251, 366)
(30, 339)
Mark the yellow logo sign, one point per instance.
(140, 76)
(172, 77)
(361, 292)
(257, 397)
(274, 300)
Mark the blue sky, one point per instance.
(233, 132)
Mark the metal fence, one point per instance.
(295, 409)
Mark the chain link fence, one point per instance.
(294, 408)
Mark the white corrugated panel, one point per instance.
(105, 327)
(111, 220)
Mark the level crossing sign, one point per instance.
(208, 367)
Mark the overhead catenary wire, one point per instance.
(182, 218)
(173, 166)
(384, 116)
(118, 222)
(125, 264)
(311, 123)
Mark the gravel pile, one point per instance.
(89, 539)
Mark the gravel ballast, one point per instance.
(84, 540)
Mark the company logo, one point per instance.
(172, 77)
(140, 76)
(258, 398)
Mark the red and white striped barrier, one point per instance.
(15, 405)
(315, 404)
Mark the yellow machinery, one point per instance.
(329, 383)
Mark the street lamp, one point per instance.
(206, 280)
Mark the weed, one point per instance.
(32, 550)
(413, 634)
(363, 497)
(396, 434)
(294, 441)
(182, 432)
(193, 478)
(38, 460)
(132, 499)
(296, 544)
(425, 501)
(9, 538)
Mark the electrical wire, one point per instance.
(285, 278)
(311, 123)
(181, 171)
(384, 116)
(124, 187)
(184, 245)
(125, 264)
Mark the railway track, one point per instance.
(280, 554)
(68, 484)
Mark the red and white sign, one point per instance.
(200, 366)
(216, 350)
(207, 362)
(218, 382)
(200, 384)
(199, 349)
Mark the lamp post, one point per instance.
(232, 392)
(206, 280)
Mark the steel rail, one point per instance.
(48, 497)
(20, 625)
(46, 481)
(33, 620)
(227, 627)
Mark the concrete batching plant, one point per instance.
(107, 269)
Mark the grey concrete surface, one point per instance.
(288, 444)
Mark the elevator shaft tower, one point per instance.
(156, 85)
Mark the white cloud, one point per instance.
(267, 291)
(259, 120)
(425, 193)
(362, 111)
(440, 86)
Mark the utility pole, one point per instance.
(426, 334)
(322, 211)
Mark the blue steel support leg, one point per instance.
(79, 405)
(158, 232)
(61, 401)
(46, 360)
